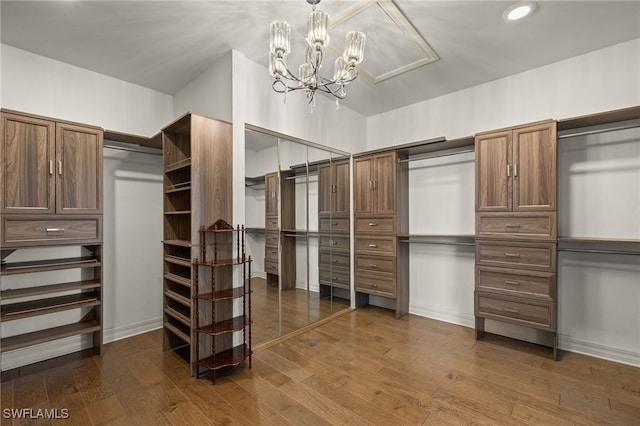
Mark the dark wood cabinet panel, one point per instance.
(271, 194)
(342, 188)
(28, 155)
(493, 163)
(384, 183)
(325, 188)
(79, 169)
(534, 174)
(363, 185)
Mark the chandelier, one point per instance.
(308, 77)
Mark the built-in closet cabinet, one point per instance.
(50, 167)
(516, 227)
(197, 157)
(51, 196)
(333, 216)
(381, 265)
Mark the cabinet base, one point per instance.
(480, 332)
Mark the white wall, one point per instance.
(39, 85)
(598, 81)
(208, 94)
(598, 196)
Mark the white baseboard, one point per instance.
(259, 274)
(112, 334)
(451, 317)
(609, 353)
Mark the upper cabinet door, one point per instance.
(384, 183)
(363, 185)
(493, 172)
(78, 169)
(27, 151)
(534, 163)
(341, 188)
(325, 188)
(271, 194)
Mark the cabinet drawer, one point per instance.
(335, 259)
(376, 284)
(541, 256)
(271, 253)
(334, 224)
(271, 238)
(517, 311)
(271, 223)
(335, 242)
(271, 266)
(386, 225)
(540, 285)
(335, 277)
(376, 245)
(18, 231)
(373, 264)
(524, 226)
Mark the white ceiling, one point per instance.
(163, 45)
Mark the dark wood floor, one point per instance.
(363, 368)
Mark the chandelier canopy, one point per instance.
(308, 77)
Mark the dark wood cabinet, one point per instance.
(516, 227)
(50, 167)
(375, 184)
(516, 169)
(380, 215)
(51, 195)
(333, 226)
(197, 192)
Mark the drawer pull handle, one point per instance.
(55, 229)
(373, 245)
(373, 265)
(373, 224)
(60, 167)
(507, 225)
(50, 167)
(335, 260)
(514, 255)
(508, 282)
(510, 310)
(334, 224)
(333, 243)
(334, 279)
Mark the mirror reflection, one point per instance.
(297, 215)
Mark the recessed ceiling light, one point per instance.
(519, 10)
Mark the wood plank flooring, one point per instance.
(362, 368)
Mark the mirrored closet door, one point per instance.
(297, 213)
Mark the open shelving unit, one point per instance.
(222, 248)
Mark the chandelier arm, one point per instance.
(338, 92)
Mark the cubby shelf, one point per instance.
(178, 165)
(13, 311)
(49, 265)
(48, 289)
(42, 336)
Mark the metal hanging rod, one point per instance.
(427, 157)
(595, 251)
(596, 131)
(132, 148)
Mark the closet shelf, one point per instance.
(177, 315)
(232, 293)
(49, 265)
(32, 308)
(178, 165)
(48, 289)
(616, 246)
(178, 279)
(179, 212)
(175, 330)
(179, 243)
(228, 358)
(47, 335)
(598, 240)
(226, 326)
(177, 297)
(457, 240)
(177, 260)
(178, 187)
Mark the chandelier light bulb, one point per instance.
(317, 29)
(340, 70)
(354, 47)
(280, 34)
